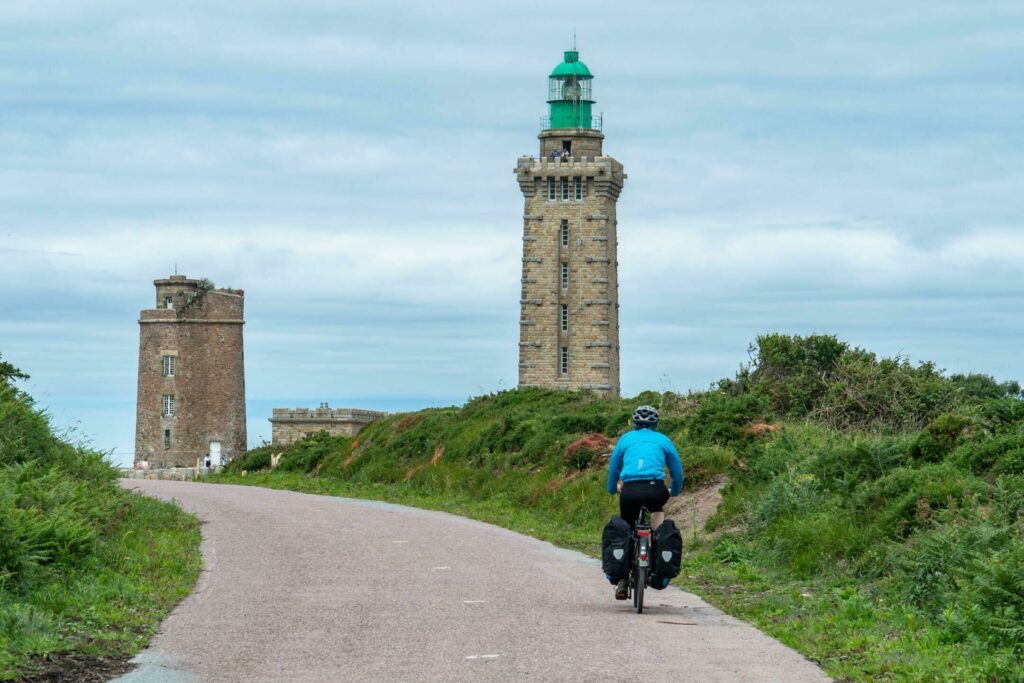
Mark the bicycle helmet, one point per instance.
(646, 416)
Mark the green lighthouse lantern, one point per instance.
(569, 95)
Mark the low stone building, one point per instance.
(289, 425)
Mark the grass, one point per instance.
(86, 568)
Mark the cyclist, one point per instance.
(637, 473)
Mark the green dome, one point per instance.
(571, 66)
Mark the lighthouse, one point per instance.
(569, 303)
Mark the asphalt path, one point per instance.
(300, 587)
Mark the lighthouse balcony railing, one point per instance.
(595, 123)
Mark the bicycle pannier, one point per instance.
(668, 554)
(615, 549)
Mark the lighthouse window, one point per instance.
(551, 189)
(565, 317)
(565, 188)
(565, 360)
(168, 405)
(169, 366)
(565, 232)
(168, 302)
(167, 438)
(577, 184)
(565, 276)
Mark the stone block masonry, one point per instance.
(191, 378)
(289, 425)
(569, 322)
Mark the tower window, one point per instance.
(565, 188)
(551, 189)
(168, 405)
(565, 276)
(567, 148)
(169, 302)
(167, 438)
(565, 317)
(170, 365)
(565, 360)
(577, 184)
(565, 232)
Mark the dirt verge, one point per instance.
(692, 510)
(69, 667)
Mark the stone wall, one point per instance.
(289, 425)
(202, 331)
(591, 255)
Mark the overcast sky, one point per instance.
(848, 168)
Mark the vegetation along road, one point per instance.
(319, 588)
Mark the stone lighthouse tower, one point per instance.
(191, 402)
(569, 322)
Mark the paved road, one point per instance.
(300, 587)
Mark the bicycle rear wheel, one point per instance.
(638, 589)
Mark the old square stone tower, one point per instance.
(191, 401)
(569, 322)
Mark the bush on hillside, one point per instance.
(940, 436)
(307, 453)
(906, 498)
(999, 454)
(253, 461)
(792, 372)
(850, 464)
(977, 387)
(721, 418)
(821, 377)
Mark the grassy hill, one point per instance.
(87, 570)
(872, 518)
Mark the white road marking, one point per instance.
(474, 602)
(482, 656)
(442, 567)
(399, 541)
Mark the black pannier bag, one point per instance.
(668, 554)
(615, 549)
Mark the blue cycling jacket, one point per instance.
(643, 454)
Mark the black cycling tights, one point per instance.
(649, 493)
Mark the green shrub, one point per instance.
(906, 498)
(847, 465)
(307, 453)
(721, 418)
(1000, 454)
(1001, 416)
(992, 607)
(977, 387)
(792, 372)
(888, 394)
(1008, 498)
(253, 461)
(939, 438)
(788, 494)
(933, 565)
